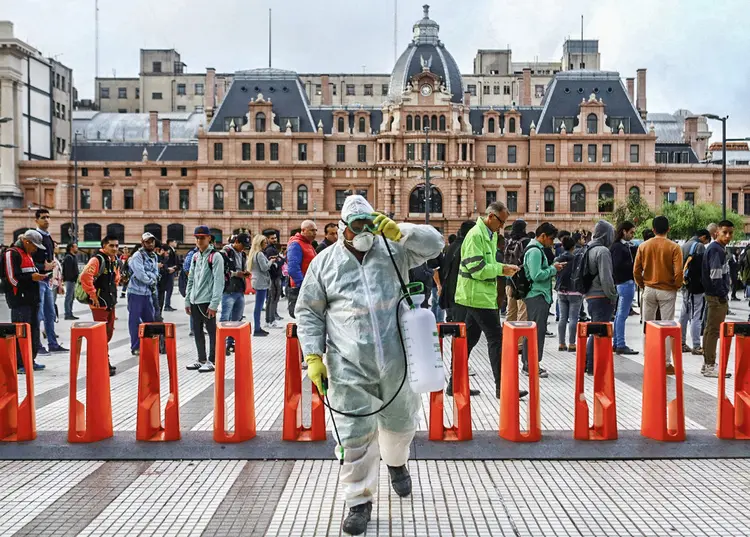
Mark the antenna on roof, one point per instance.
(395, 31)
(269, 37)
(580, 65)
(96, 37)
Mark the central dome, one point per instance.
(426, 49)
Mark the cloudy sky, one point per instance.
(696, 53)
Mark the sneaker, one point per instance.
(58, 348)
(562, 347)
(685, 348)
(207, 367)
(572, 347)
(543, 373)
(521, 393)
(230, 349)
(356, 521)
(122, 295)
(42, 350)
(191, 334)
(548, 334)
(625, 350)
(112, 371)
(195, 366)
(274, 324)
(71, 318)
(169, 308)
(39, 367)
(21, 371)
(260, 333)
(703, 368)
(670, 369)
(135, 352)
(400, 480)
(698, 351)
(712, 371)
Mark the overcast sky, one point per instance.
(697, 54)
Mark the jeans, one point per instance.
(626, 291)
(716, 312)
(692, 312)
(47, 312)
(436, 310)
(537, 310)
(488, 321)
(291, 295)
(70, 289)
(260, 298)
(169, 287)
(140, 310)
(600, 311)
(272, 301)
(664, 302)
(232, 308)
(199, 314)
(570, 309)
(27, 314)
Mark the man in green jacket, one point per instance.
(540, 274)
(476, 289)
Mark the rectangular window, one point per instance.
(274, 151)
(511, 154)
(163, 172)
(512, 204)
(496, 90)
(156, 67)
(85, 198)
(384, 89)
(218, 151)
(491, 153)
(106, 198)
(340, 153)
(164, 199)
(156, 96)
(635, 153)
(549, 153)
(333, 89)
(128, 172)
(106, 172)
(84, 172)
(137, 93)
(246, 150)
(486, 90)
(592, 152)
(181, 89)
(128, 198)
(122, 93)
(440, 152)
(350, 89)
(260, 151)
(183, 172)
(318, 89)
(368, 89)
(103, 93)
(122, 110)
(472, 89)
(340, 198)
(301, 152)
(690, 197)
(746, 206)
(199, 89)
(606, 153)
(506, 90)
(361, 153)
(735, 202)
(184, 199)
(490, 196)
(410, 151)
(464, 152)
(577, 153)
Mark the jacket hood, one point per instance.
(518, 230)
(604, 234)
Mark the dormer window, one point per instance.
(260, 122)
(592, 124)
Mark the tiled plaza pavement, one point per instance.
(636, 495)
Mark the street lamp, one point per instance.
(75, 187)
(723, 161)
(427, 186)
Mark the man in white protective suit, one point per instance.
(347, 311)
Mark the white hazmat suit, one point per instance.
(347, 311)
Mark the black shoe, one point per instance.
(400, 480)
(169, 308)
(449, 390)
(260, 333)
(122, 295)
(71, 318)
(625, 350)
(356, 521)
(521, 393)
(112, 371)
(58, 348)
(230, 349)
(135, 352)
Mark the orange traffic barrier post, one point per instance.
(510, 428)
(244, 396)
(148, 426)
(17, 421)
(605, 410)
(733, 420)
(93, 421)
(461, 429)
(662, 420)
(293, 430)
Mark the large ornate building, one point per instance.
(268, 158)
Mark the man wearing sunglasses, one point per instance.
(476, 289)
(347, 310)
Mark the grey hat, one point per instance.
(34, 237)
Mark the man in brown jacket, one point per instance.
(658, 271)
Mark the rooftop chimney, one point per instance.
(640, 102)
(209, 91)
(166, 134)
(326, 90)
(526, 87)
(631, 88)
(153, 127)
(467, 98)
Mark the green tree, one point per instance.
(634, 209)
(685, 218)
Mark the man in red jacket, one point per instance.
(300, 252)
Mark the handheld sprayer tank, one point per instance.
(421, 343)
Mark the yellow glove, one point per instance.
(316, 371)
(387, 227)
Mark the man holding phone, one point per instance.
(44, 259)
(233, 299)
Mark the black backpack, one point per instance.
(694, 271)
(4, 285)
(580, 277)
(514, 252)
(520, 281)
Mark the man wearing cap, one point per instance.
(144, 276)
(204, 291)
(233, 299)
(44, 258)
(22, 288)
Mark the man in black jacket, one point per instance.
(449, 269)
(172, 266)
(622, 264)
(274, 292)
(332, 235)
(70, 276)
(716, 282)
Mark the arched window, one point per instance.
(361, 124)
(512, 125)
(434, 123)
(491, 125)
(66, 233)
(176, 232)
(216, 234)
(247, 197)
(634, 193)
(218, 198)
(260, 122)
(340, 126)
(417, 201)
(273, 197)
(425, 121)
(578, 198)
(92, 232)
(606, 198)
(442, 123)
(409, 123)
(592, 124)
(118, 230)
(549, 199)
(301, 198)
(20, 231)
(390, 124)
(417, 123)
(154, 229)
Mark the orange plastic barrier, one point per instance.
(461, 429)
(293, 430)
(244, 396)
(733, 421)
(93, 421)
(17, 421)
(148, 426)
(662, 420)
(605, 411)
(510, 428)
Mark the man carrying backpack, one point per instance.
(693, 303)
(233, 299)
(514, 251)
